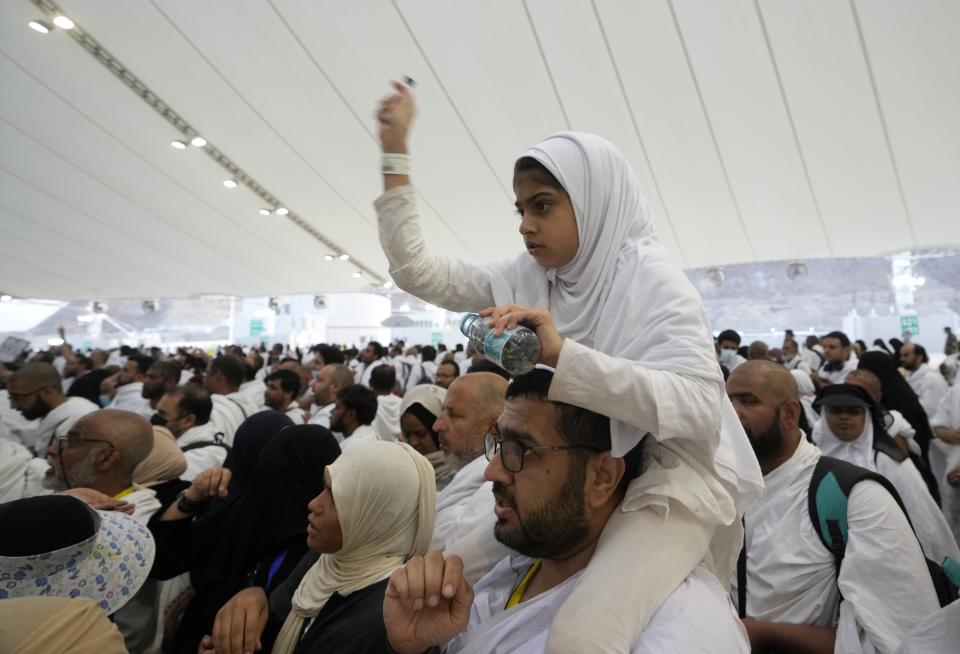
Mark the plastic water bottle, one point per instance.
(516, 350)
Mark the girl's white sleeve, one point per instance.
(667, 404)
(448, 283)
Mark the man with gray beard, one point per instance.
(101, 451)
(465, 517)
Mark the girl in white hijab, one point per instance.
(629, 338)
(384, 499)
(848, 430)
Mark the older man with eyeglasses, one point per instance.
(555, 486)
(100, 452)
(465, 518)
(36, 392)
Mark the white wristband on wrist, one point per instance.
(395, 164)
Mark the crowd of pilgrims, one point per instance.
(647, 488)
(234, 463)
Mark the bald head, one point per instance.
(485, 390)
(764, 395)
(766, 377)
(867, 381)
(34, 376)
(128, 432)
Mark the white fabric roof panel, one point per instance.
(759, 131)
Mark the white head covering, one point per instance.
(858, 451)
(385, 496)
(622, 294)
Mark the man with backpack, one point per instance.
(793, 592)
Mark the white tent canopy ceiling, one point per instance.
(760, 130)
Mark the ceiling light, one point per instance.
(328, 257)
(282, 211)
(344, 257)
(5, 298)
(357, 275)
(63, 23)
(388, 283)
(264, 212)
(198, 141)
(230, 183)
(178, 145)
(39, 26)
(55, 342)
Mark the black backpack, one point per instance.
(830, 486)
(832, 482)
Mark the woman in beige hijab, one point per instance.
(376, 511)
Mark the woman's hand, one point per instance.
(212, 482)
(395, 115)
(510, 315)
(241, 621)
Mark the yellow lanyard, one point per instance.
(522, 586)
(126, 491)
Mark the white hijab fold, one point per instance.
(385, 494)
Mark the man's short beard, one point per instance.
(457, 460)
(554, 529)
(83, 474)
(769, 441)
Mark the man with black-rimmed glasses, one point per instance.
(36, 392)
(555, 486)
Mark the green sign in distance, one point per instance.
(910, 324)
(436, 338)
(256, 327)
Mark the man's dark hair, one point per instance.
(252, 364)
(193, 400)
(441, 347)
(143, 362)
(362, 400)
(458, 347)
(289, 380)
(330, 354)
(290, 360)
(428, 353)
(383, 378)
(81, 359)
(921, 352)
(456, 366)
(840, 336)
(377, 348)
(728, 335)
(170, 372)
(230, 367)
(576, 425)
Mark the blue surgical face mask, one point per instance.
(105, 400)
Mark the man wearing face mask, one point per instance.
(185, 411)
(852, 429)
(729, 342)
